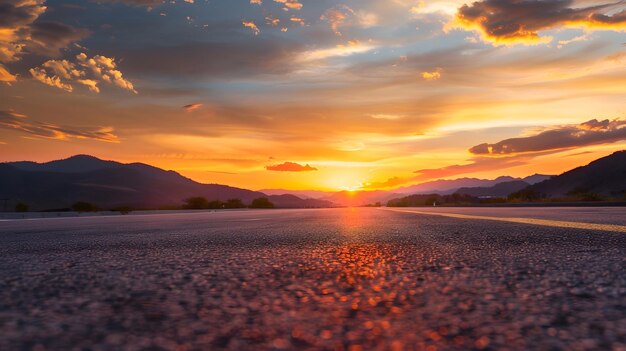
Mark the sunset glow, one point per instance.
(317, 95)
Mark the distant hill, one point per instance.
(441, 187)
(108, 184)
(292, 201)
(304, 194)
(449, 186)
(498, 190)
(360, 198)
(605, 176)
(536, 178)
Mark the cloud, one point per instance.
(49, 38)
(290, 4)
(88, 71)
(21, 33)
(19, 122)
(506, 22)
(261, 56)
(6, 76)
(252, 26)
(592, 132)
(432, 75)
(478, 164)
(351, 48)
(146, 3)
(337, 17)
(291, 167)
(192, 107)
(16, 17)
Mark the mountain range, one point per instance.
(605, 176)
(109, 184)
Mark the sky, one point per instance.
(315, 94)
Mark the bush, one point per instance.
(234, 203)
(261, 202)
(216, 204)
(196, 203)
(122, 210)
(83, 206)
(21, 207)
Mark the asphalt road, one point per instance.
(336, 279)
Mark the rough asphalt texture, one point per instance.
(336, 279)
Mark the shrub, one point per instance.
(196, 203)
(261, 202)
(83, 206)
(122, 210)
(234, 203)
(21, 207)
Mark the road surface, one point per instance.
(335, 279)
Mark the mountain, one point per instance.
(292, 201)
(536, 178)
(445, 186)
(442, 187)
(304, 194)
(108, 184)
(605, 176)
(498, 190)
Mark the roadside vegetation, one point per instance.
(524, 196)
(201, 203)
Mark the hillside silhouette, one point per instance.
(108, 184)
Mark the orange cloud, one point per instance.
(192, 107)
(6, 76)
(86, 71)
(433, 75)
(337, 16)
(509, 22)
(19, 122)
(290, 4)
(252, 26)
(291, 167)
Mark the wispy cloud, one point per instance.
(592, 132)
(19, 122)
(192, 107)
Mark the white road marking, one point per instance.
(534, 221)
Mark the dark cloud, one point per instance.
(15, 121)
(503, 21)
(291, 167)
(48, 38)
(592, 132)
(16, 14)
(214, 59)
(192, 107)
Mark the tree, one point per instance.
(21, 207)
(234, 203)
(122, 209)
(83, 206)
(196, 203)
(261, 202)
(216, 204)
